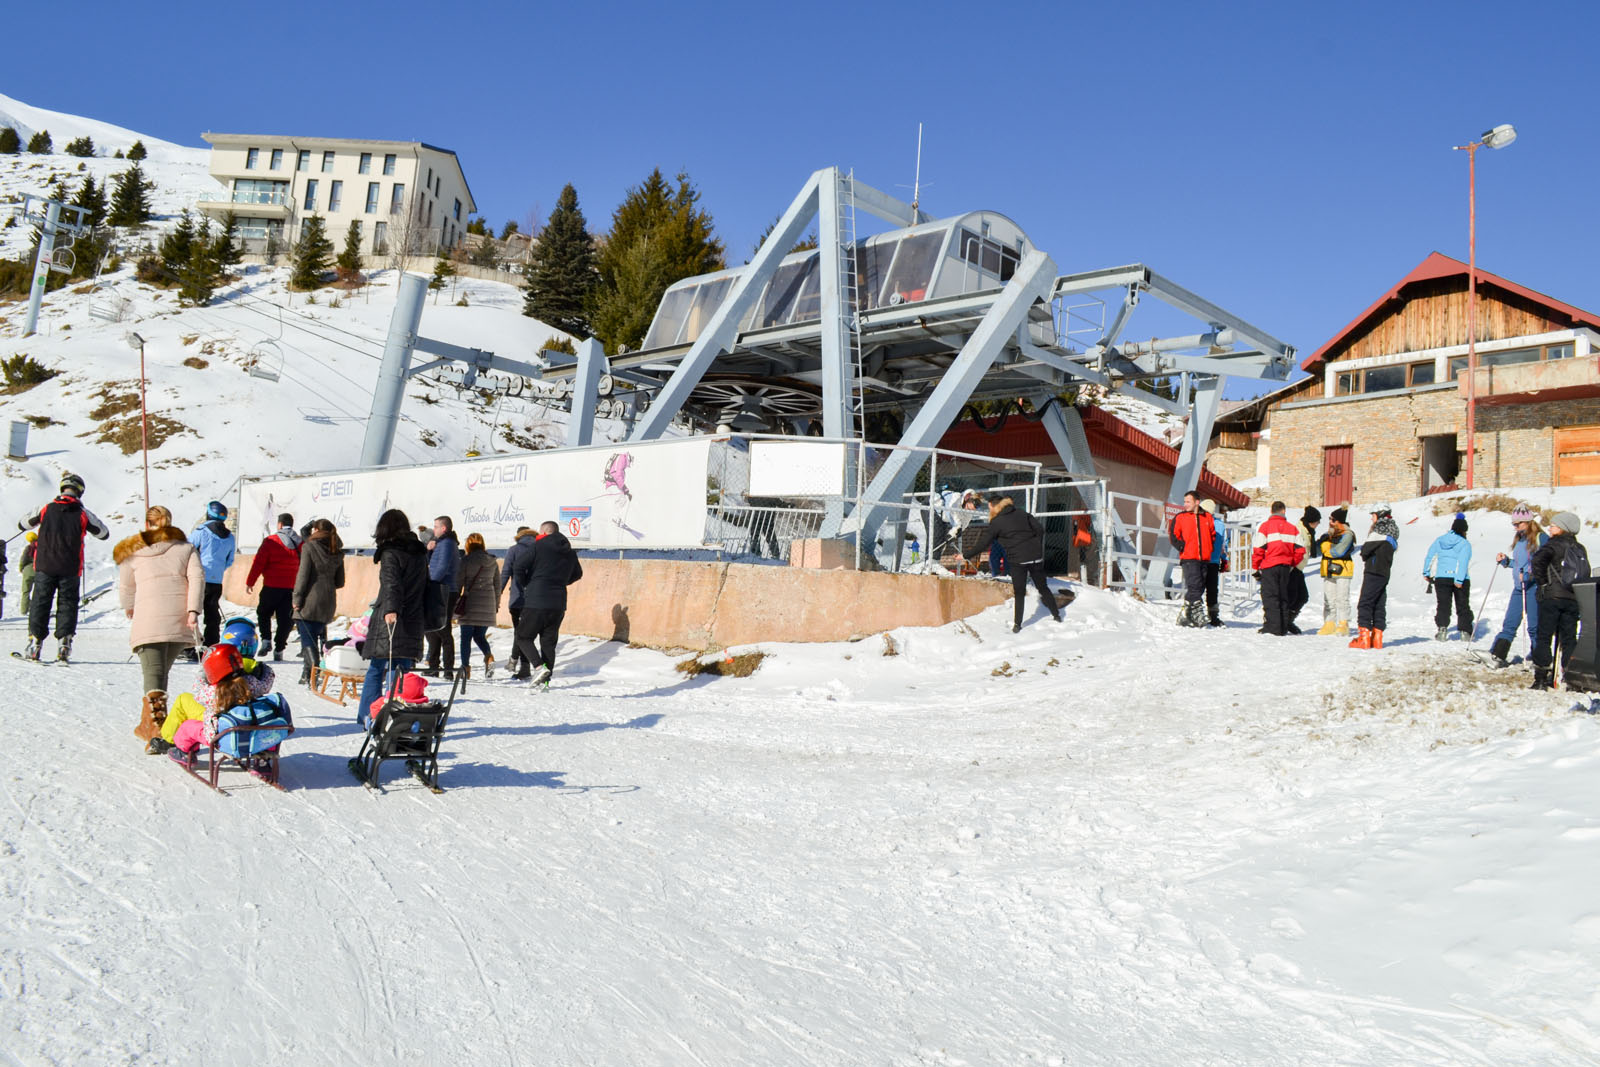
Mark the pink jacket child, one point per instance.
(223, 668)
(413, 690)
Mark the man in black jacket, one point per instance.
(1558, 604)
(1023, 540)
(58, 564)
(543, 575)
(516, 666)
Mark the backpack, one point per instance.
(1574, 565)
(271, 710)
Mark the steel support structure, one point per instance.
(838, 369)
(585, 393)
(1029, 285)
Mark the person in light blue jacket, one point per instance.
(1445, 568)
(1524, 594)
(215, 543)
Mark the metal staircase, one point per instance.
(848, 306)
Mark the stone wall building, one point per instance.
(1383, 414)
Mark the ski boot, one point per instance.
(64, 653)
(1363, 639)
(32, 651)
(1543, 678)
(1442, 634)
(1377, 638)
(1500, 652)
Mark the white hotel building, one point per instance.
(400, 192)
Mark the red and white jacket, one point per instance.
(1278, 543)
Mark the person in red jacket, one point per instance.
(277, 565)
(1279, 546)
(1193, 533)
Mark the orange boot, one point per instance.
(1377, 639)
(1362, 639)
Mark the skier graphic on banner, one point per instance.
(615, 483)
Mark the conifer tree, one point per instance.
(10, 143)
(683, 244)
(39, 144)
(177, 247)
(621, 314)
(349, 261)
(508, 229)
(198, 275)
(225, 251)
(312, 255)
(443, 271)
(477, 226)
(80, 146)
(561, 269)
(92, 199)
(130, 203)
(137, 152)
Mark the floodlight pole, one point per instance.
(136, 341)
(1472, 309)
(41, 266)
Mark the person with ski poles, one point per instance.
(1524, 597)
(58, 565)
(1555, 567)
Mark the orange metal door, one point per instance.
(1578, 456)
(1338, 474)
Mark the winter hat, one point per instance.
(1341, 516)
(1523, 514)
(1209, 506)
(221, 662)
(413, 689)
(71, 483)
(1311, 516)
(1386, 527)
(216, 510)
(1568, 522)
(1459, 526)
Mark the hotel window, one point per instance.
(380, 237)
(303, 161)
(252, 156)
(311, 195)
(1383, 379)
(458, 211)
(388, 163)
(430, 214)
(427, 182)
(397, 198)
(277, 159)
(1422, 373)
(335, 195)
(372, 198)
(327, 162)
(366, 164)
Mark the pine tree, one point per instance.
(805, 244)
(130, 203)
(561, 269)
(177, 247)
(349, 261)
(198, 275)
(443, 271)
(477, 226)
(92, 199)
(508, 229)
(683, 244)
(118, 154)
(80, 146)
(224, 250)
(621, 313)
(10, 143)
(312, 255)
(39, 144)
(137, 152)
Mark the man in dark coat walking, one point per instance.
(522, 546)
(1022, 537)
(543, 575)
(444, 569)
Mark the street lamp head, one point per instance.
(134, 340)
(1500, 136)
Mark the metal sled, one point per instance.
(411, 732)
(267, 763)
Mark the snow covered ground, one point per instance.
(1109, 842)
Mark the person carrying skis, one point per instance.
(216, 544)
(1278, 548)
(1337, 547)
(58, 565)
(1377, 557)
(1446, 569)
(1022, 537)
(1194, 534)
(544, 575)
(1555, 567)
(1217, 563)
(1524, 596)
(276, 566)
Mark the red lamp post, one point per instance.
(1498, 137)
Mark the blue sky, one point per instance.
(1289, 161)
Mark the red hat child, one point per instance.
(221, 662)
(413, 690)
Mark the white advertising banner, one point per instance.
(648, 495)
(797, 468)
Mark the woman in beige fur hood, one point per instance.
(162, 586)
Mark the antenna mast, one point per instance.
(916, 182)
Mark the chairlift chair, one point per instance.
(63, 260)
(266, 361)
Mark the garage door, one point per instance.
(1578, 455)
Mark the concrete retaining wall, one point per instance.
(677, 604)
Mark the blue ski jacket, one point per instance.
(1448, 557)
(1521, 561)
(215, 545)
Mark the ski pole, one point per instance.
(1472, 638)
